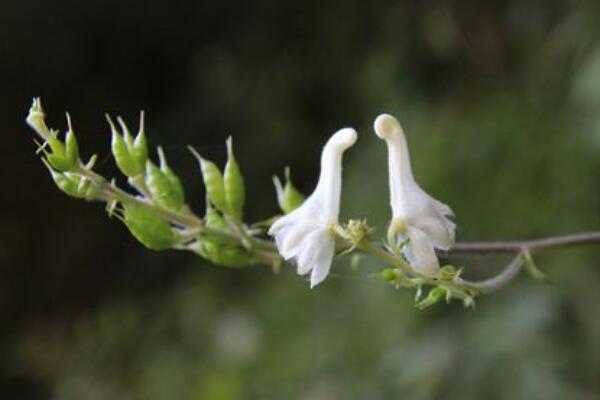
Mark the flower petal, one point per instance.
(439, 229)
(290, 245)
(420, 252)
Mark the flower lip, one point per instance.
(343, 139)
(386, 126)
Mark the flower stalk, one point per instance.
(308, 234)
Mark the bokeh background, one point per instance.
(501, 104)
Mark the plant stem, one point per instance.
(498, 281)
(267, 249)
(553, 242)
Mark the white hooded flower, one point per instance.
(416, 215)
(305, 234)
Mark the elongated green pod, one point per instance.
(71, 146)
(214, 220)
(176, 184)
(235, 192)
(73, 185)
(126, 133)
(288, 197)
(221, 254)
(161, 188)
(213, 181)
(148, 228)
(139, 149)
(66, 184)
(36, 119)
(121, 153)
(435, 295)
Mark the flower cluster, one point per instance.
(420, 224)
(308, 234)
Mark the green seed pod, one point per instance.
(236, 258)
(176, 185)
(388, 274)
(288, 197)
(221, 254)
(213, 181)
(121, 153)
(139, 149)
(206, 249)
(148, 228)
(36, 118)
(66, 184)
(436, 294)
(214, 220)
(235, 191)
(71, 146)
(126, 134)
(161, 188)
(58, 155)
(448, 272)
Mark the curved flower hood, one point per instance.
(416, 215)
(304, 235)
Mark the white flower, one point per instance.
(305, 234)
(416, 215)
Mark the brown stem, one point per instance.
(531, 245)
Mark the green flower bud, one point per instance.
(71, 146)
(60, 158)
(388, 274)
(66, 184)
(435, 295)
(176, 185)
(57, 158)
(161, 188)
(126, 134)
(235, 192)
(148, 228)
(73, 185)
(213, 181)
(214, 220)
(139, 148)
(121, 153)
(448, 272)
(221, 254)
(36, 119)
(288, 197)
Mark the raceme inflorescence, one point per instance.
(308, 233)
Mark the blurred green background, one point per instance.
(501, 104)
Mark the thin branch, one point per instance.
(554, 242)
(498, 281)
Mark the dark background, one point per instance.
(500, 102)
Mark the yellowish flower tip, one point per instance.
(386, 126)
